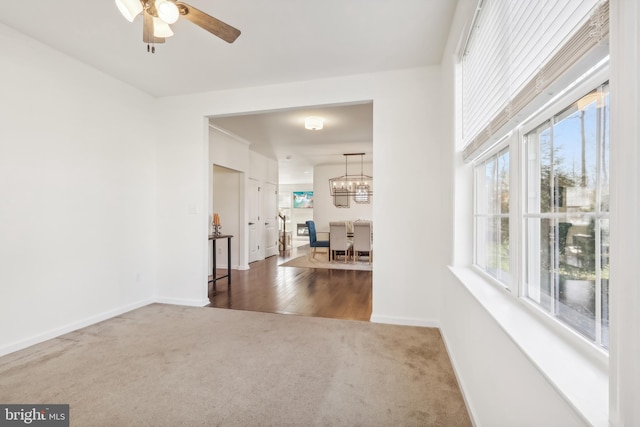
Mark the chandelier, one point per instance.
(359, 186)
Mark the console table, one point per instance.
(215, 278)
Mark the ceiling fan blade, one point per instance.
(147, 30)
(216, 27)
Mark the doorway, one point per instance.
(264, 144)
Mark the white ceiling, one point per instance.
(281, 135)
(281, 41)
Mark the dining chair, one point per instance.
(338, 241)
(362, 240)
(313, 239)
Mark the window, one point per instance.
(492, 253)
(566, 216)
(541, 212)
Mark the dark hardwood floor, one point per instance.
(338, 294)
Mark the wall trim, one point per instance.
(405, 321)
(460, 379)
(181, 301)
(229, 134)
(65, 329)
(233, 266)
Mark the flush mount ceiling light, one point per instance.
(360, 186)
(313, 123)
(159, 14)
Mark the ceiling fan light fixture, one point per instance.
(129, 8)
(313, 123)
(159, 14)
(167, 11)
(161, 28)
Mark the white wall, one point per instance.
(407, 148)
(407, 151)
(324, 210)
(262, 168)
(227, 151)
(227, 202)
(77, 194)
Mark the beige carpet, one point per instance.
(165, 365)
(320, 261)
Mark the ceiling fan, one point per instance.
(159, 14)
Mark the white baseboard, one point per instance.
(461, 383)
(406, 321)
(53, 333)
(233, 267)
(186, 302)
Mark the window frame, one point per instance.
(514, 141)
(595, 79)
(505, 143)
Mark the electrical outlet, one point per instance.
(219, 251)
(138, 277)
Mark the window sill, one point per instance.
(577, 371)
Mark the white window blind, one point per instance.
(516, 50)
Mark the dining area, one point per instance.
(345, 241)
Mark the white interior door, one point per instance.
(270, 220)
(253, 196)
